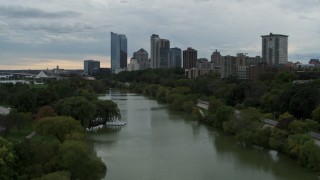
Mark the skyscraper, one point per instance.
(216, 58)
(275, 49)
(142, 58)
(159, 52)
(189, 58)
(118, 51)
(175, 57)
(91, 67)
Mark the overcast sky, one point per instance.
(38, 34)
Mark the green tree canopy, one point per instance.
(77, 107)
(61, 127)
(7, 160)
(79, 159)
(107, 110)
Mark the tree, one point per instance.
(18, 119)
(5, 122)
(7, 160)
(295, 143)
(63, 89)
(316, 114)
(78, 107)
(178, 100)
(300, 127)
(214, 104)
(187, 106)
(90, 96)
(247, 119)
(79, 159)
(162, 93)
(284, 120)
(278, 139)
(107, 110)
(25, 101)
(309, 155)
(61, 175)
(45, 111)
(61, 127)
(45, 97)
(300, 100)
(223, 113)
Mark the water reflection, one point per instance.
(159, 144)
(258, 159)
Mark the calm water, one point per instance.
(157, 144)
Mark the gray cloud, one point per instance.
(300, 6)
(25, 12)
(63, 27)
(76, 29)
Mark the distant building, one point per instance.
(164, 53)
(257, 70)
(216, 58)
(275, 49)
(189, 58)
(134, 65)
(91, 67)
(229, 66)
(315, 62)
(142, 58)
(159, 52)
(118, 52)
(175, 58)
(203, 63)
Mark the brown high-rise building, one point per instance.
(189, 58)
(216, 58)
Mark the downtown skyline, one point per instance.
(40, 35)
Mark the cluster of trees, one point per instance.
(237, 107)
(68, 156)
(273, 92)
(290, 136)
(74, 97)
(59, 113)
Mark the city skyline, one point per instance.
(40, 35)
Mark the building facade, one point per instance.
(175, 58)
(142, 58)
(275, 49)
(133, 65)
(189, 58)
(119, 52)
(216, 58)
(159, 52)
(91, 67)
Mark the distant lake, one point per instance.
(157, 144)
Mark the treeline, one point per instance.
(237, 107)
(58, 112)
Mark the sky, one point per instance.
(38, 34)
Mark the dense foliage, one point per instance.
(236, 107)
(59, 114)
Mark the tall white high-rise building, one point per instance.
(118, 52)
(275, 49)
